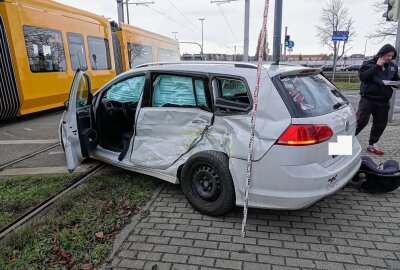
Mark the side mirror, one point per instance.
(224, 103)
(66, 104)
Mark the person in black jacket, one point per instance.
(375, 95)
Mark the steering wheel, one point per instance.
(129, 110)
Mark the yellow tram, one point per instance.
(43, 43)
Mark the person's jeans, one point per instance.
(379, 111)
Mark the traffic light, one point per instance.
(392, 13)
(287, 39)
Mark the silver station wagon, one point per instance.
(189, 123)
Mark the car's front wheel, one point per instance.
(207, 183)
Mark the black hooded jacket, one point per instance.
(371, 76)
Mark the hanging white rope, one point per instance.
(253, 116)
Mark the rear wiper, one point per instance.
(338, 105)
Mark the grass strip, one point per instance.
(78, 232)
(21, 193)
(347, 85)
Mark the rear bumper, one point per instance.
(295, 187)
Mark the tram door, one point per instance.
(9, 98)
(117, 53)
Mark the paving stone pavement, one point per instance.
(350, 230)
(389, 142)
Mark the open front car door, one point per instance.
(78, 136)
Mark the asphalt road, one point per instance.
(25, 135)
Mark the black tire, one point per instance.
(207, 183)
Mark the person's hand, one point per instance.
(380, 61)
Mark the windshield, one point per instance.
(311, 95)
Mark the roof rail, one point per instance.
(235, 64)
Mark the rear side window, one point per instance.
(232, 88)
(233, 91)
(311, 95)
(99, 53)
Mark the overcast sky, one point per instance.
(224, 24)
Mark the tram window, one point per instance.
(45, 49)
(99, 53)
(165, 55)
(77, 52)
(139, 54)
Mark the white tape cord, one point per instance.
(253, 116)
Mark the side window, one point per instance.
(99, 52)
(165, 55)
(128, 90)
(139, 54)
(200, 93)
(231, 95)
(45, 49)
(179, 91)
(233, 89)
(312, 95)
(82, 95)
(77, 51)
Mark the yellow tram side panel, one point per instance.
(136, 35)
(41, 91)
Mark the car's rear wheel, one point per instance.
(207, 183)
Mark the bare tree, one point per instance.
(335, 17)
(135, 52)
(386, 30)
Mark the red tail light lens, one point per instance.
(296, 135)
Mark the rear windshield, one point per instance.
(309, 96)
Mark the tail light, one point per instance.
(300, 135)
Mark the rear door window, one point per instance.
(311, 95)
(179, 91)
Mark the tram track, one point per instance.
(46, 204)
(15, 161)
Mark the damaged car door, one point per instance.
(175, 115)
(77, 135)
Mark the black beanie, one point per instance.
(386, 49)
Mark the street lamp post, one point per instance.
(246, 30)
(175, 34)
(127, 10)
(202, 40)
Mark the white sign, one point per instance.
(344, 146)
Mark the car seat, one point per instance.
(377, 178)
